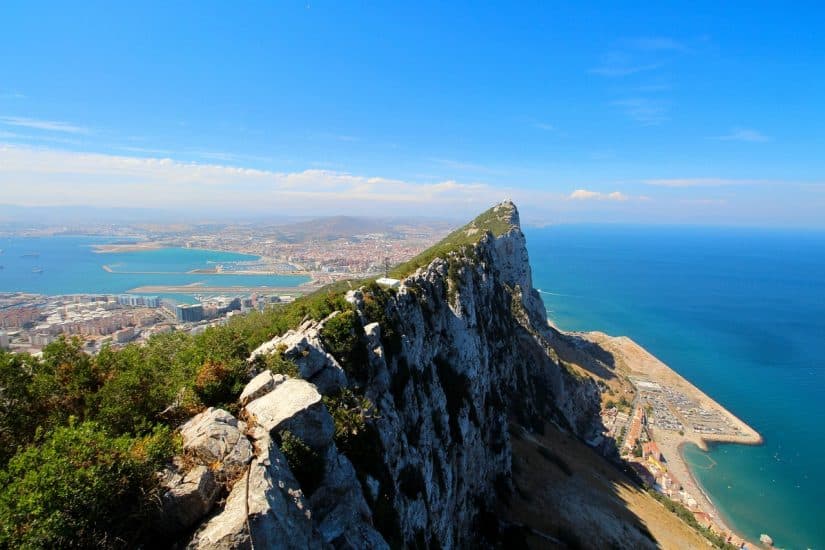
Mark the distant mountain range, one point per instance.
(292, 226)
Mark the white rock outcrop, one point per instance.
(216, 439)
(266, 509)
(304, 348)
(188, 498)
(262, 384)
(294, 405)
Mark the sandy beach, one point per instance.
(638, 364)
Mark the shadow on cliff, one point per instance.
(568, 496)
(574, 348)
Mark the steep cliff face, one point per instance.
(471, 353)
(453, 357)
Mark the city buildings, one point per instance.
(189, 313)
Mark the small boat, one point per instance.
(31, 255)
(37, 270)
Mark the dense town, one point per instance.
(324, 250)
(659, 412)
(28, 322)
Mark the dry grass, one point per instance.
(569, 496)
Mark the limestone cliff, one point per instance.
(450, 359)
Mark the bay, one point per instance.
(741, 314)
(70, 266)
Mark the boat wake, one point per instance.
(553, 293)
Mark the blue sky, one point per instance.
(710, 113)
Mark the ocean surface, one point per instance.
(738, 312)
(70, 266)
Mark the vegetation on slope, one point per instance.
(80, 487)
(496, 221)
(81, 436)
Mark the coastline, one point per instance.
(131, 247)
(157, 245)
(640, 363)
(721, 520)
(636, 363)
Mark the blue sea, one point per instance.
(738, 312)
(70, 266)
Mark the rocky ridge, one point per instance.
(454, 356)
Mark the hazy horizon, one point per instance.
(85, 215)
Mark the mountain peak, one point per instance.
(499, 220)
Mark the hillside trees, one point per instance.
(81, 436)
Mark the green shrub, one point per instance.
(218, 383)
(306, 463)
(86, 481)
(80, 487)
(343, 337)
(377, 309)
(351, 414)
(278, 364)
(63, 381)
(18, 410)
(687, 516)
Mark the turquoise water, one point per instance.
(70, 266)
(741, 314)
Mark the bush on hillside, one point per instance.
(80, 487)
(306, 463)
(218, 383)
(107, 422)
(343, 337)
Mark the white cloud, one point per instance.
(584, 194)
(33, 176)
(144, 150)
(744, 134)
(49, 125)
